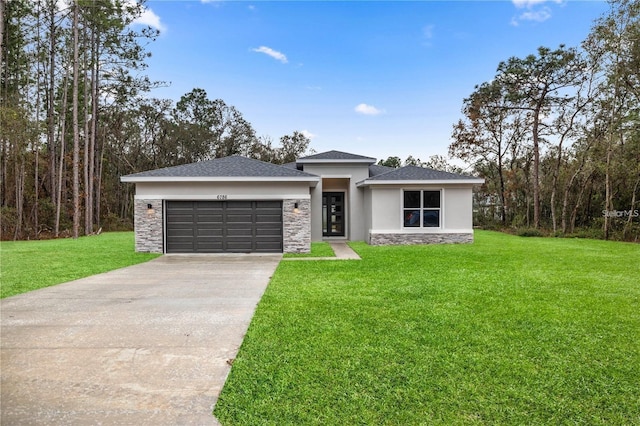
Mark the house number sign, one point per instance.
(222, 197)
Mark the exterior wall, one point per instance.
(386, 208)
(387, 224)
(458, 205)
(355, 219)
(211, 190)
(457, 210)
(368, 213)
(148, 225)
(296, 226)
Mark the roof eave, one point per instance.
(142, 179)
(471, 181)
(368, 161)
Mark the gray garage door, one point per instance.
(224, 226)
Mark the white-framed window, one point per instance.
(421, 208)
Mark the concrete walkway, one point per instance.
(149, 344)
(342, 252)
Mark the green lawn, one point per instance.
(318, 249)
(507, 330)
(29, 265)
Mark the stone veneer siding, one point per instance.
(296, 226)
(148, 226)
(397, 239)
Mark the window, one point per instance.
(421, 209)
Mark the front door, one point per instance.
(333, 214)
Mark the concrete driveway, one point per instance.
(147, 344)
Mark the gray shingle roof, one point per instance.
(337, 155)
(415, 173)
(233, 166)
(376, 169)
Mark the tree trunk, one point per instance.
(608, 199)
(51, 128)
(19, 175)
(536, 167)
(36, 141)
(4, 152)
(632, 209)
(63, 131)
(3, 4)
(76, 130)
(574, 212)
(87, 199)
(554, 188)
(565, 200)
(503, 209)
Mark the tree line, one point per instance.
(556, 135)
(75, 115)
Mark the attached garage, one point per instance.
(226, 205)
(223, 227)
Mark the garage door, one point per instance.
(224, 226)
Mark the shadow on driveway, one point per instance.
(146, 344)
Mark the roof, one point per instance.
(235, 166)
(376, 169)
(336, 157)
(418, 175)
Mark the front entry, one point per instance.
(333, 214)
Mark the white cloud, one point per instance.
(308, 134)
(520, 4)
(149, 18)
(537, 15)
(536, 10)
(273, 53)
(367, 110)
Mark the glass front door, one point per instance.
(333, 214)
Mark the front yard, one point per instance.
(30, 265)
(508, 330)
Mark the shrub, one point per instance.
(529, 232)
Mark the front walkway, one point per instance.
(342, 252)
(150, 344)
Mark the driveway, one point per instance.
(147, 344)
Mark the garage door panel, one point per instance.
(209, 218)
(224, 226)
(240, 218)
(201, 233)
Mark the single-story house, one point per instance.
(238, 204)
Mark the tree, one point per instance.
(538, 85)
(490, 132)
(394, 162)
(207, 129)
(292, 147)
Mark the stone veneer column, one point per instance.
(148, 226)
(296, 226)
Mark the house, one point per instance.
(237, 204)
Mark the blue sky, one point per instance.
(369, 77)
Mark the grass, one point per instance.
(30, 265)
(318, 249)
(506, 331)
